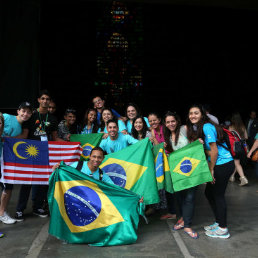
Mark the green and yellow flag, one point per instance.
(85, 210)
(188, 167)
(133, 168)
(163, 175)
(88, 142)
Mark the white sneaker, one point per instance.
(6, 219)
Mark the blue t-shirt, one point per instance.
(12, 127)
(122, 141)
(121, 127)
(85, 169)
(210, 133)
(129, 125)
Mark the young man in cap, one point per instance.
(12, 128)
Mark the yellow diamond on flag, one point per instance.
(186, 166)
(123, 173)
(84, 206)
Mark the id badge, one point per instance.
(43, 138)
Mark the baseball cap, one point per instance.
(25, 105)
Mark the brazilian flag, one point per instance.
(88, 142)
(163, 175)
(85, 210)
(133, 168)
(188, 167)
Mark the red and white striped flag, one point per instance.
(31, 162)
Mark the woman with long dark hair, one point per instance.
(221, 165)
(89, 124)
(175, 136)
(140, 129)
(132, 110)
(156, 128)
(107, 115)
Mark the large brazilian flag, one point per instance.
(88, 142)
(163, 175)
(188, 167)
(85, 210)
(133, 168)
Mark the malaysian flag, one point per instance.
(30, 162)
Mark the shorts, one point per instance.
(5, 186)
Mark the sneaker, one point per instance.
(19, 216)
(243, 181)
(41, 213)
(232, 178)
(218, 233)
(6, 219)
(1, 234)
(211, 227)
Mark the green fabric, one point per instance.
(88, 142)
(188, 167)
(163, 175)
(85, 210)
(133, 168)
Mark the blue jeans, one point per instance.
(185, 200)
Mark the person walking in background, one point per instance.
(221, 165)
(238, 126)
(252, 128)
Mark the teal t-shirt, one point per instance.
(210, 133)
(12, 127)
(122, 141)
(129, 125)
(85, 169)
(121, 127)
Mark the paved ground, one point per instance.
(30, 238)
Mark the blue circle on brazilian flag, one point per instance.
(86, 150)
(186, 166)
(117, 174)
(159, 165)
(82, 205)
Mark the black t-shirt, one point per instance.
(40, 125)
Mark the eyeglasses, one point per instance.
(70, 110)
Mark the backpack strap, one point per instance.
(100, 174)
(79, 165)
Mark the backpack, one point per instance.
(79, 167)
(235, 144)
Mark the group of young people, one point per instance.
(119, 132)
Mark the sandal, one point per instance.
(178, 226)
(192, 234)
